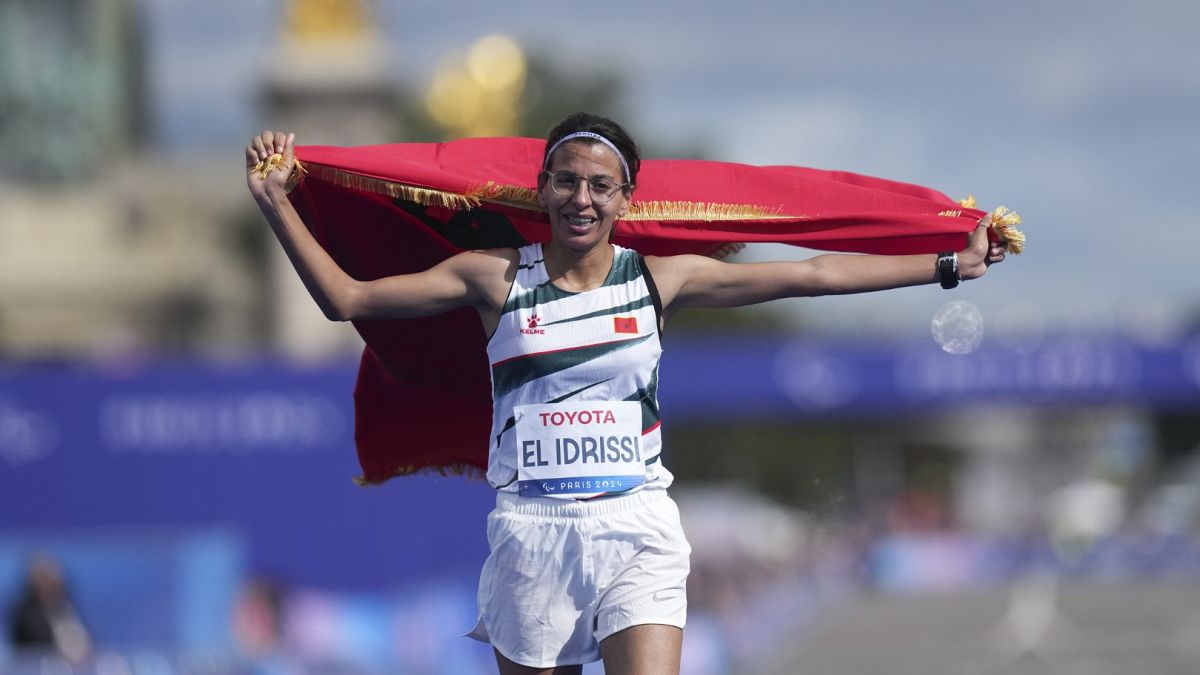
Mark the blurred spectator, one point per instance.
(45, 618)
(256, 617)
(257, 623)
(1084, 513)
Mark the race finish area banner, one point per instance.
(423, 396)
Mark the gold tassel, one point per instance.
(275, 163)
(1004, 222)
(266, 166)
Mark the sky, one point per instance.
(1081, 116)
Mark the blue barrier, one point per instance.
(263, 452)
(772, 376)
(266, 449)
(205, 442)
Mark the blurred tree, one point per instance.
(72, 86)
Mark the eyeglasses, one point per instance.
(565, 183)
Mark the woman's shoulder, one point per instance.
(487, 265)
(488, 258)
(674, 261)
(689, 261)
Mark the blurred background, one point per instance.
(176, 452)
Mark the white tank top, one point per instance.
(554, 346)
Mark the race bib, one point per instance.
(579, 450)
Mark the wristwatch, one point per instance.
(947, 269)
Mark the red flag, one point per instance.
(625, 324)
(423, 399)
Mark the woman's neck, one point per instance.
(577, 271)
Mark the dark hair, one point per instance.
(603, 126)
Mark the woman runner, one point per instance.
(588, 560)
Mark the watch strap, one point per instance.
(947, 269)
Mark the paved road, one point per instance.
(1035, 628)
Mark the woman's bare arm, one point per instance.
(698, 281)
(473, 278)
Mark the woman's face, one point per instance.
(576, 220)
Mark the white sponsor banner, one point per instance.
(164, 423)
(579, 450)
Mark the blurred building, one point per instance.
(104, 249)
(107, 249)
(72, 87)
(329, 82)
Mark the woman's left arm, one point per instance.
(697, 281)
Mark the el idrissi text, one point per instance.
(584, 449)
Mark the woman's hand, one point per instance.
(261, 148)
(980, 252)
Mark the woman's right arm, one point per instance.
(467, 279)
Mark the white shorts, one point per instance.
(564, 575)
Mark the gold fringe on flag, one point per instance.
(421, 195)
(507, 195)
(1004, 223)
(299, 171)
(526, 198)
(702, 211)
(1003, 220)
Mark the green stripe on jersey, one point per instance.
(648, 397)
(624, 270)
(510, 374)
(644, 302)
(543, 292)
